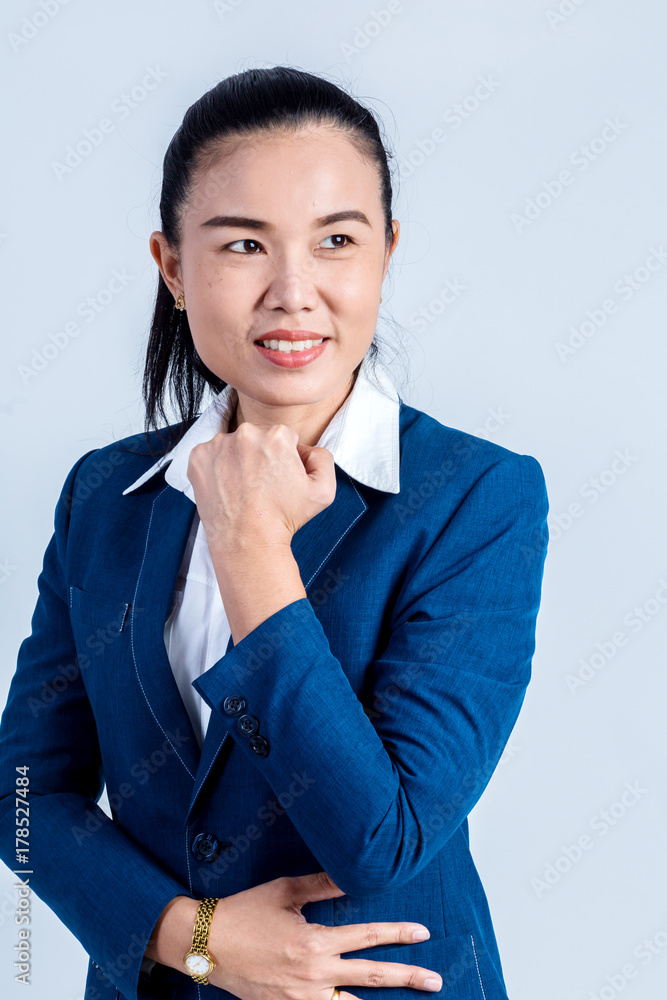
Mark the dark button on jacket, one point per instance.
(206, 846)
(233, 705)
(247, 724)
(260, 745)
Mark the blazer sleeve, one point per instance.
(384, 784)
(97, 880)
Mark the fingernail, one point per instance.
(433, 984)
(421, 934)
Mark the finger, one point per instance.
(303, 888)
(318, 463)
(328, 994)
(362, 972)
(350, 937)
(304, 451)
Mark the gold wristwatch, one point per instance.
(197, 960)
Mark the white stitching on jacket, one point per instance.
(365, 508)
(187, 860)
(474, 950)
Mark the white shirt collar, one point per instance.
(363, 436)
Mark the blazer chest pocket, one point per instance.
(108, 613)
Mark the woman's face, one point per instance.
(265, 250)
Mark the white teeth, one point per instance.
(288, 346)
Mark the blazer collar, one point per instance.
(363, 435)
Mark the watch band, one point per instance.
(197, 960)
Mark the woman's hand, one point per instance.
(265, 949)
(259, 483)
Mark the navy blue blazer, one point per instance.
(379, 706)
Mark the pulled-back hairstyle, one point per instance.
(255, 101)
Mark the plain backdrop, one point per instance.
(528, 297)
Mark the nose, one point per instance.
(293, 286)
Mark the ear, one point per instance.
(167, 261)
(396, 226)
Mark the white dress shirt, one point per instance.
(363, 437)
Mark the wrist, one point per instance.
(248, 543)
(198, 960)
(255, 579)
(172, 934)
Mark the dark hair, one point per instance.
(256, 100)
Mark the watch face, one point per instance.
(199, 965)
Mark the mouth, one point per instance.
(290, 346)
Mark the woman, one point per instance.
(293, 636)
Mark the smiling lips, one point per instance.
(291, 348)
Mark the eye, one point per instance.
(241, 243)
(338, 236)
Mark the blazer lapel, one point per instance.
(312, 546)
(169, 524)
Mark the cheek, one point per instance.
(207, 277)
(358, 281)
(214, 295)
(352, 290)
(211, 317)
(360, 301)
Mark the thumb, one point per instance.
(305, 888)
(318, 463)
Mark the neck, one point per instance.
(309, 426)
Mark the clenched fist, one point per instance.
(259, 483)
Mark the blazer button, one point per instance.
(233, 705)
(247, 724)
(260, 745)
(206, 847)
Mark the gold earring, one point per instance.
(380, 298)
(180, 302)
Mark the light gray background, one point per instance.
(486, 362)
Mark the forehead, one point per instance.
(297, 174)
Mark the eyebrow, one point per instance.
(243, 222)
